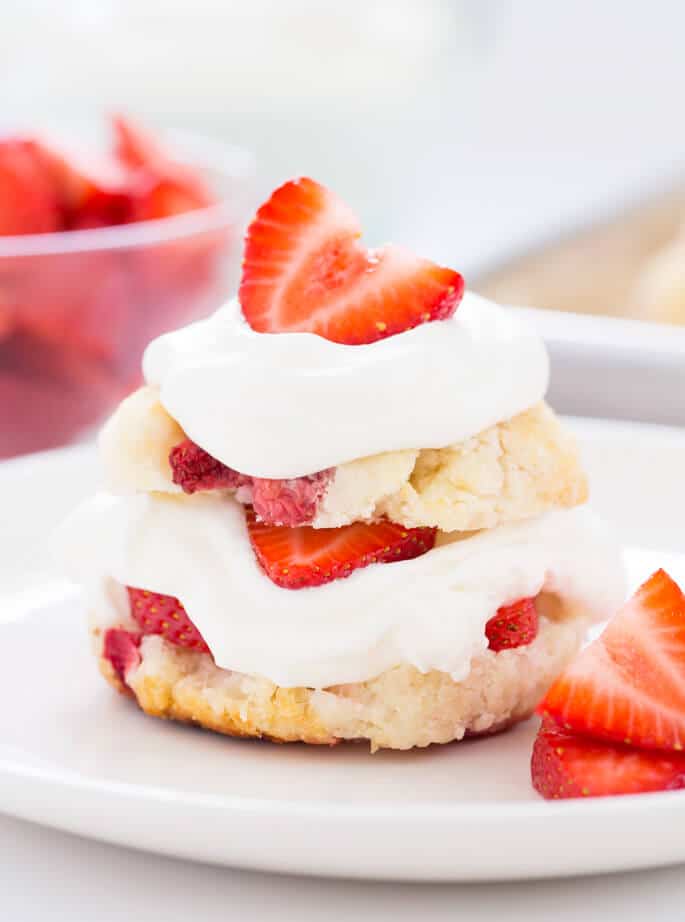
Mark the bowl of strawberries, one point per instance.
(99, 253)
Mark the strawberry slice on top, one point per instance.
(304, 270)
(628, 686)
(296, 558)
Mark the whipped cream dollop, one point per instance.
(289, 404)
(430, 612)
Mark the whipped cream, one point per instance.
(289, 404)
(429, 612)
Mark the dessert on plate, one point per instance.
(339, 508)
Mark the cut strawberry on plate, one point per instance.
(304, 270)
(629, 685)
(295, 558)
(164, 615)
(566, 765)
(514, 625)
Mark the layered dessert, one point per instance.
(339, 508)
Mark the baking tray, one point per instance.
(614, 368)
(602, 363)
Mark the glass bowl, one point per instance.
(78, 308)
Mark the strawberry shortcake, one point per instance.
(340, 508)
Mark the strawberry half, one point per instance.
(514, 625)
(629, 685)
(164, 615)
(565, 765)
(295, 558)
(304, 270)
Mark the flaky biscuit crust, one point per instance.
(400, 709)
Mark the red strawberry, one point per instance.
(289, 502)
(164, 198)
(295, 558)
(163, 614)
(133, 145)
(28, 199)
(167, 187)
(514, 625)
(629, 685)
(305, 270)
(195, 470)
(181, 276)
(276, 502)
(565, 765)
(120, 647)
(92, 191)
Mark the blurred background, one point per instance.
(468, 129)
(538, 147)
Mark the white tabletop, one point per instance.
(49, 875)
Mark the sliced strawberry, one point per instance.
(164, 198)
(289, 502)
(304, 270)
(295, 558)
(514, 625)
(195, 470)
(120, 647)
(28, 199)
(629, 685)
(92, 190)
(276, 502)
(166, 186)
(164, 615)
(565, 765)
(134, 146)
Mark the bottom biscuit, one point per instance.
(400, 709)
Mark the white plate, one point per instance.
(75, 756)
